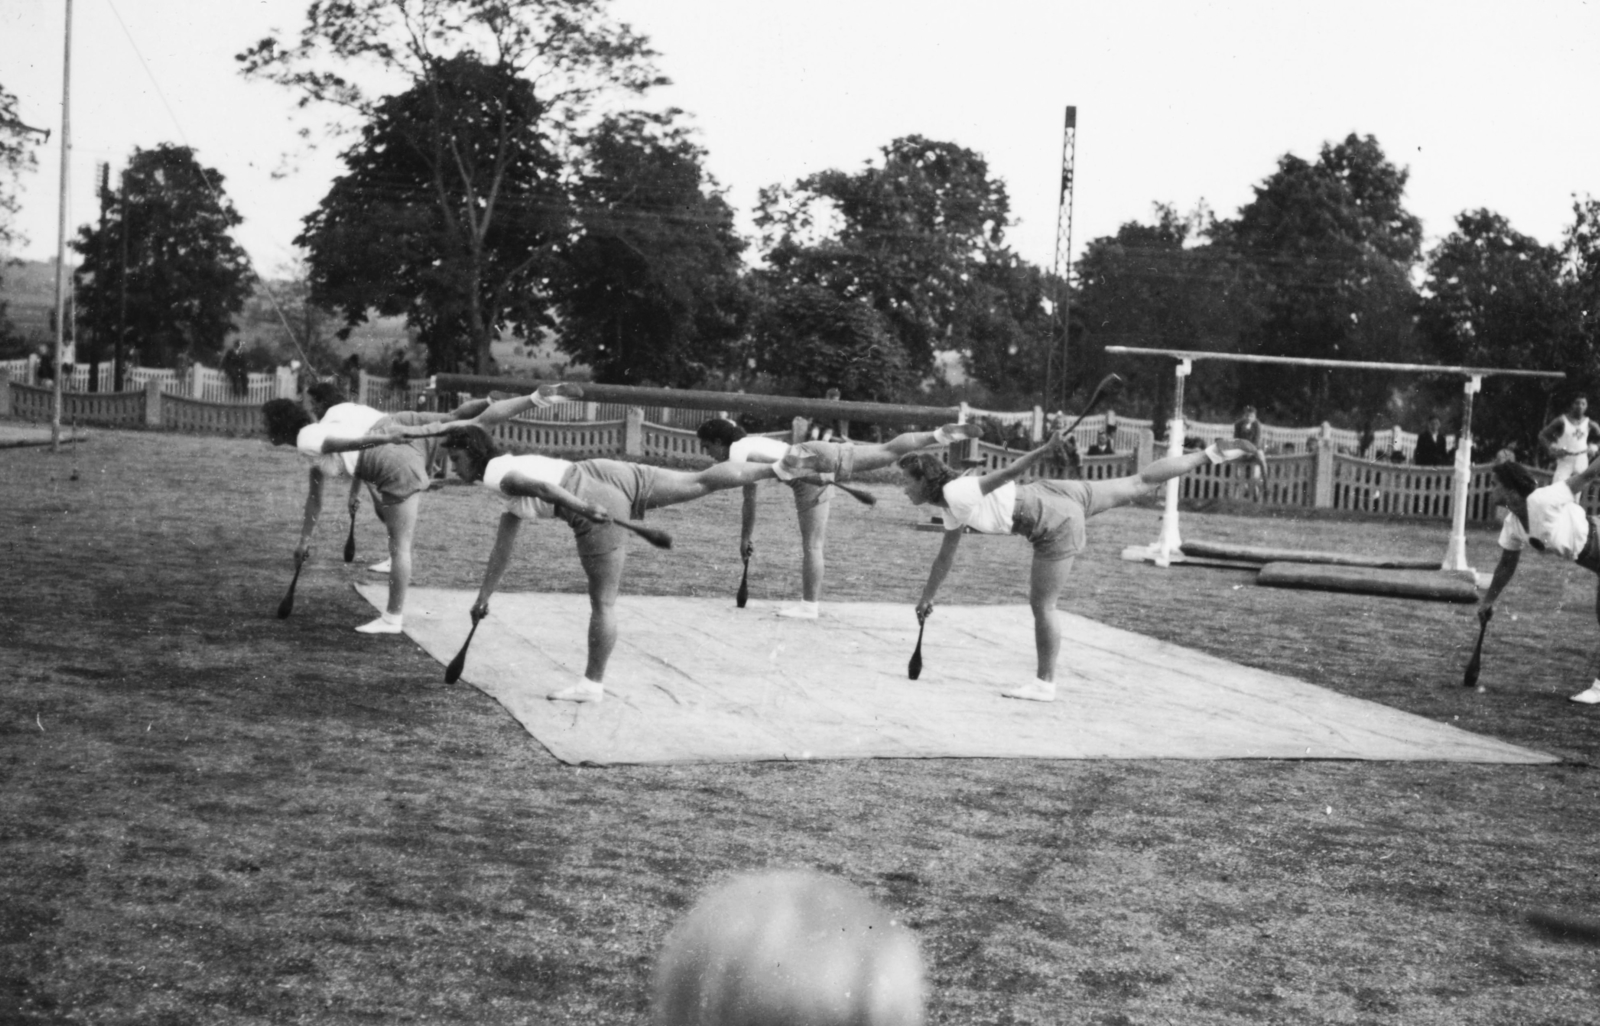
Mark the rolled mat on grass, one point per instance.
(1259, 554)
(697, 680)
(1436, 585)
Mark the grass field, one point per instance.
(208, 815)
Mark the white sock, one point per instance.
(803, 610)
(392, 618)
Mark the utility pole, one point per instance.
(122, 280)
(1057, 378)
(61, 225)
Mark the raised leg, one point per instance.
(675, 486)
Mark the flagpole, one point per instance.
(61, 226)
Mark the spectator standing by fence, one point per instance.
(1571, 439)
(400, 373)
(352, 374)
(1431, 449)
(1248, 428)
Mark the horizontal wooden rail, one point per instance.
(770, 405)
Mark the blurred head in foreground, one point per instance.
(786, 948)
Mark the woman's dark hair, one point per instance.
(925, 466)
(324, 396)
(1514, 476)
(475, 443)
(284, 419)
(719, 431)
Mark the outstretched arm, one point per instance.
(1583, 479)
(308, 523)
(1503, 570)
(499, 558)
(989, 482)
(940, 569)
(747, 523)
(516, 483)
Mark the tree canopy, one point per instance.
(448, 213)
(649, 285)
(906, 239)
(185, 277)
(493, 89)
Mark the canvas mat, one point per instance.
(697, 680)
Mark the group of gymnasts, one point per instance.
(394, 457)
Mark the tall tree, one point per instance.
(905, 239)
(649, 286)
(1494, 297)
(807, 339)
(185, 278)
(1332, 246)
(1008, 329)
(448, 213)
(1159, 286)
(16, 159)
(480, 133)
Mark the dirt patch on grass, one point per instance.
(211, 815)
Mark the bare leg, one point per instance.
(883, 454)
(675, 486)
(1120, 491)
(605, 581)
(1046, 581)
(813, 534)
(401, 520)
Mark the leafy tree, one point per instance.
(649, 288)
(1495, 298)
(448, 213)
(1158, 286)
(1009, 328)
(906, 239)
(1331, 246)
(468, 220)
(185, 277)
(808, 339)
(1580, 251)
(16, 159)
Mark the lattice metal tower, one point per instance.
(1057, 376)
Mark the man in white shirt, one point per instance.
(1571, 439)
(833, 461)
(1550, 520)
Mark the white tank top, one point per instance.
(1574, 435)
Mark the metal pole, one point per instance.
(1455, 555)
(1170, 544)
(61, 226)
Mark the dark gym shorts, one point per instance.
(621, 489)
(397, 472)
(1051, 515)
(832, 458)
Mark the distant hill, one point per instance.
(29, 287)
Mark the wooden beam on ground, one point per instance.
(1262, 555)
(741, 402)
(1435, 585)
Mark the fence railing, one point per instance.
(1322, 477)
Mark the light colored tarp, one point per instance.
(697, 680)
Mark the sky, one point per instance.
(1487, 105)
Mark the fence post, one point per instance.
(5, 393)
(1144, 453)
(1322, 475)
(33, 369)
(798, 429)
(361, 388)
(591, 411)
(285, 384)
(633, 431)
(152, 403)
(1036, 429)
